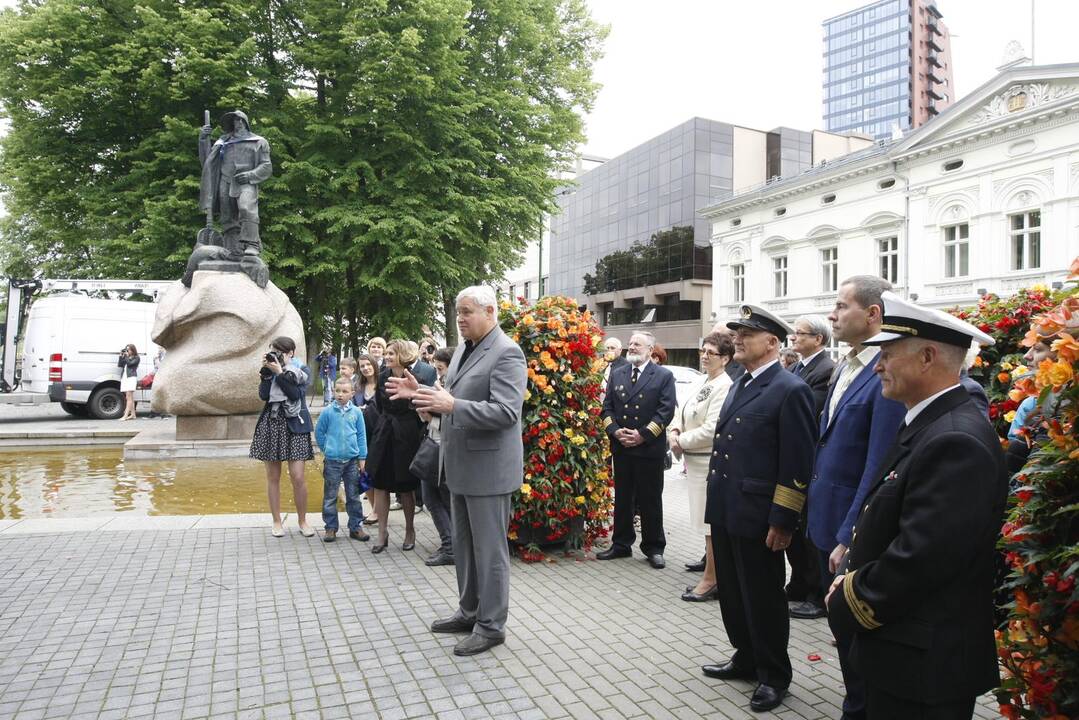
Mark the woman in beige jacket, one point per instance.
(690, 435)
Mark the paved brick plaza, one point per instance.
(232, 623)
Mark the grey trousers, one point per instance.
(436, 497)
(482, 556)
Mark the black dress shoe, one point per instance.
(656, 561)
(408, 546)
(728, 671)
(614, 552)
(806, 610)
(452, 625)
(439, 559)
(766, 697)
(710, 594)
(475, 644)
(697, 566)
(375, 550)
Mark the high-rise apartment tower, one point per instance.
(886, 64)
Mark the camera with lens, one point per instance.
(272, 356)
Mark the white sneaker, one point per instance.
(395, 506)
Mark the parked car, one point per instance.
(685, 379)
(71, 347)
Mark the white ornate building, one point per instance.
(983, 198)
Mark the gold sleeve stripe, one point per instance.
(860, 609)
(655, 428)
(607, 421)
(788, 498)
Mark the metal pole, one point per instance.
(539, 279)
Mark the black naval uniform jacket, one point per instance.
(917, 596)
(762, 455)
(646, 406)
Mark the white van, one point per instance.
(71, 347)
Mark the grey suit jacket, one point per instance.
(481, 451)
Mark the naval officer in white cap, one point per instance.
(916, 597)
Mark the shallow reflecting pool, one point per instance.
(80, 482)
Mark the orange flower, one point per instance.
(1060, 373)
(1004, 377)
(1066, 348)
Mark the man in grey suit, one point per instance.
(482, 458)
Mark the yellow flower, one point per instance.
(576, 439)
(584, 455)
(579, 499)
(569, 433)
(528, 395)
(1059, 373)
(568, 377)
(1006, 366)
(512, 535)
(526, 489)
(1009, 416)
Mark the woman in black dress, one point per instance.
(398, 437)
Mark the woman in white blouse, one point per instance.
(691, 434)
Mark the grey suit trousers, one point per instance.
(482, 556)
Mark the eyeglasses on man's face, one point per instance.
(801, 333)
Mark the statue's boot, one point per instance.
(249, 238)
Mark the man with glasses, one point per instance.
(812, 333)
(762, 457)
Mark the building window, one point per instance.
(738, 283)
(957, 251)
(513, 293)
(888, 259)
(829, 259)
(528, 289)
(543, 285)
(1026, 240)
(779, 274)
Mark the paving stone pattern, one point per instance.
(233, 623)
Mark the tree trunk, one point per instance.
(449, 310)
(353, 341)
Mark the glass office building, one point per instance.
(886, 64)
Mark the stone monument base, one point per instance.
(216, 427)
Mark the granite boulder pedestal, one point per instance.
(215, 335)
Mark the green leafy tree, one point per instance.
(415, 142)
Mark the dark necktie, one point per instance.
(636, 374)
(798, 368)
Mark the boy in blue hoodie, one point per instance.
(342, 436)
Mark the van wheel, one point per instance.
(106, 403)
(76, 409)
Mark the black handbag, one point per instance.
(425, 463)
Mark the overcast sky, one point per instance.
(759, 63)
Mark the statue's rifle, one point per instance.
(208, 235)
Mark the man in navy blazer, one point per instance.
(637, 409)
(857, 428)
(762, 458)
